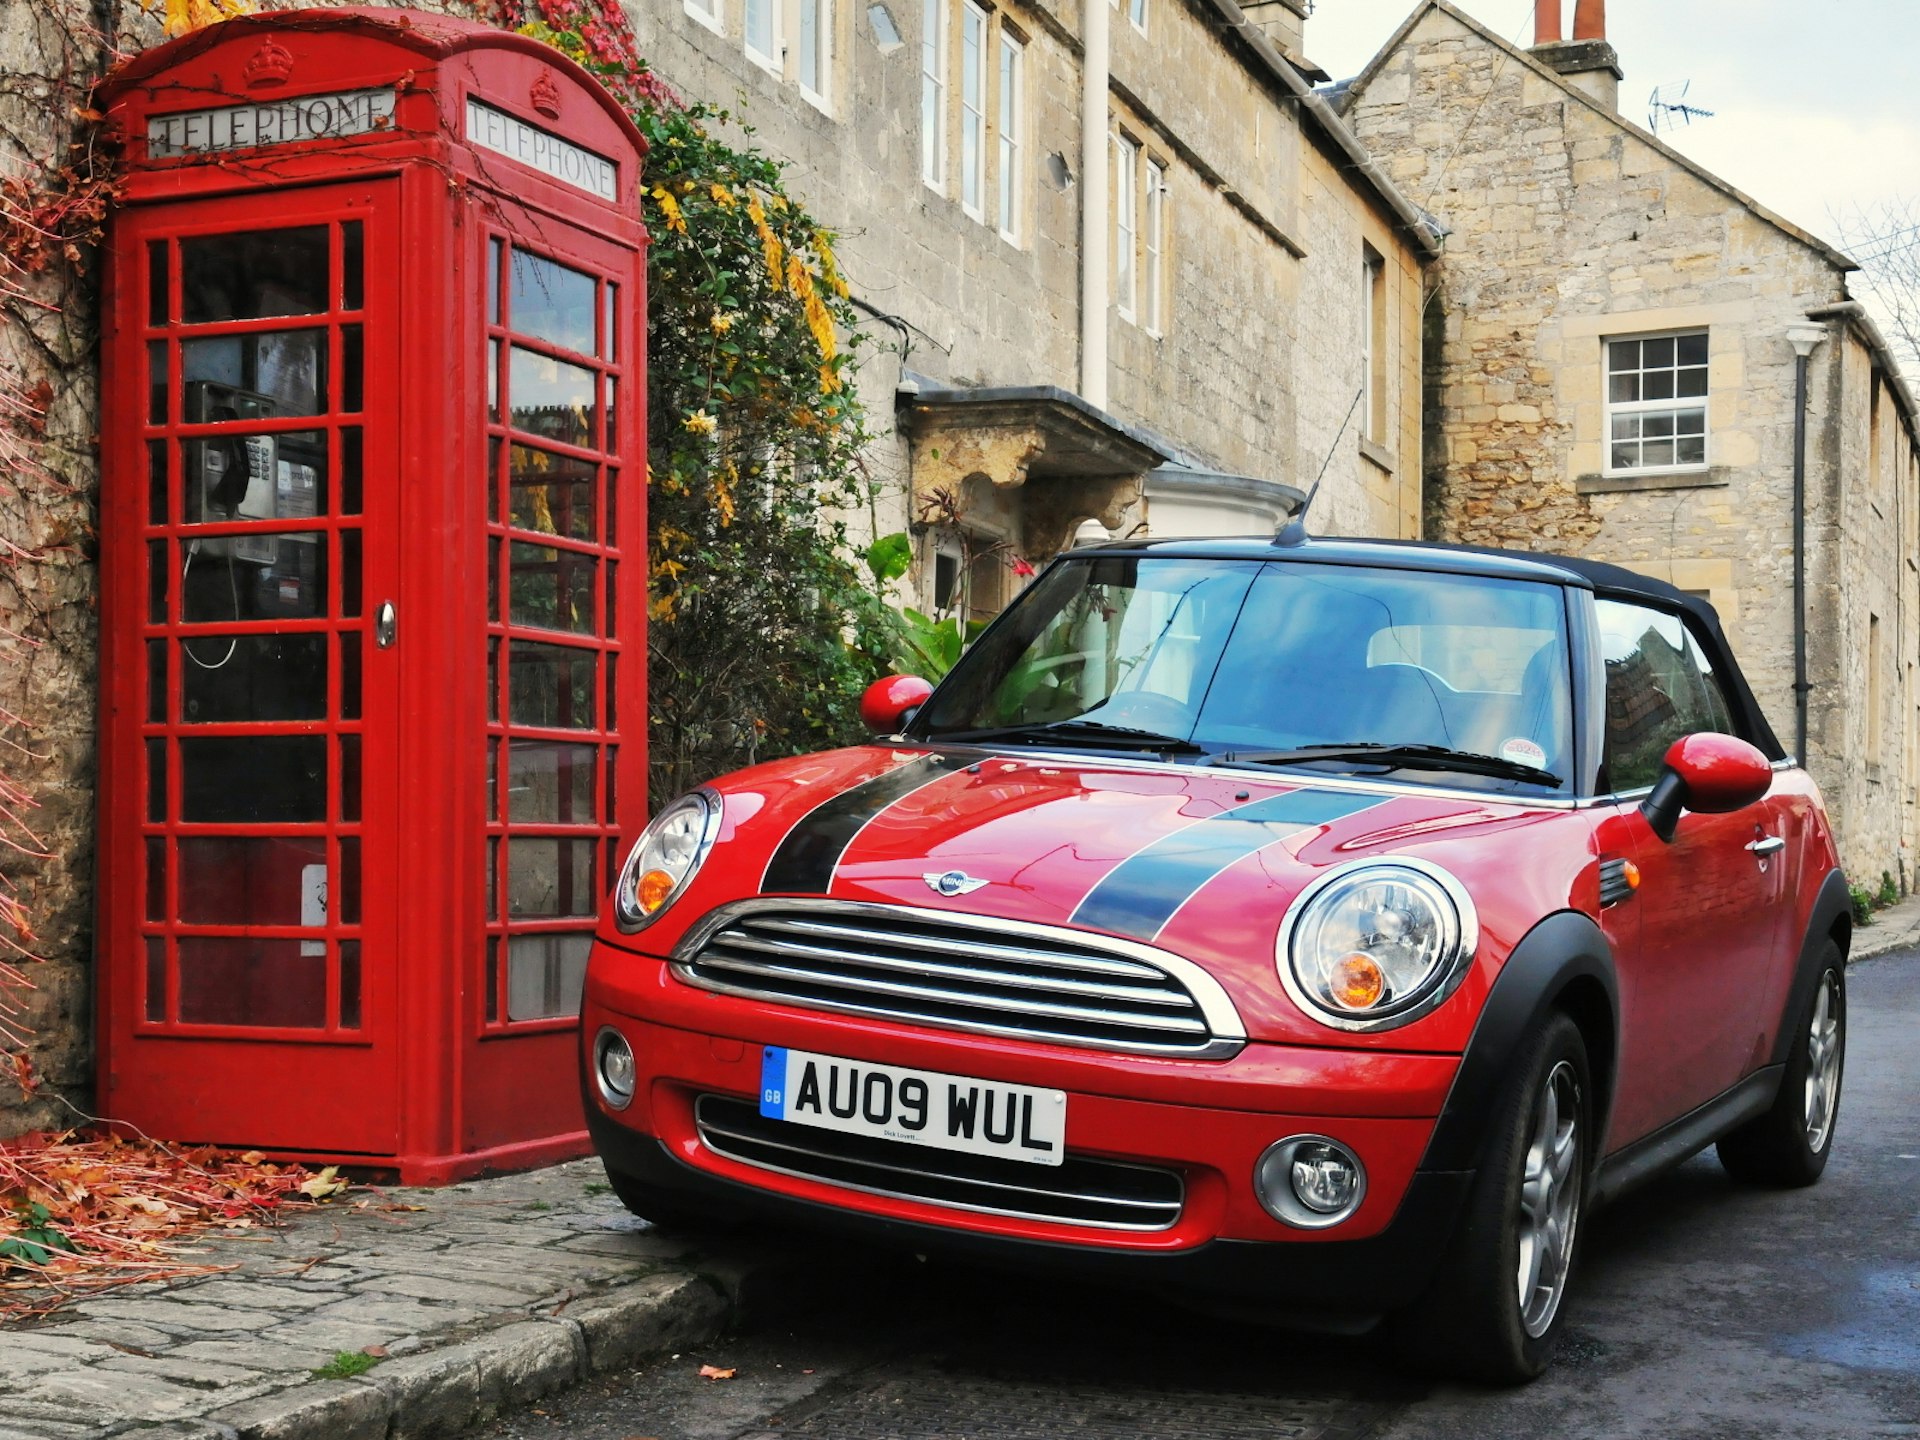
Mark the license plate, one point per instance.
(921, 1107)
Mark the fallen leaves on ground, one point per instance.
(83, 1211)
(714, 1372)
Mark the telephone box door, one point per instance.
(264, 1007)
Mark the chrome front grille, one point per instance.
(1098, 1194)
(963, 972)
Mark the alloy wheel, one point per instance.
(1824, 1048)
(1549, 1209)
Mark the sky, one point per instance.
(1816, 102)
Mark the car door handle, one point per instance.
(1767, 845)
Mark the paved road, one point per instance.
(1704, 1310)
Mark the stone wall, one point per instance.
(1571, 226)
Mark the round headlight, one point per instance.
(1377, 943)
(665, 857)
(1309, 1181)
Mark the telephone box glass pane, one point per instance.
(493, 978)
(545, 974)
(551, 494)
(239, 980)
(158, 574)
(156, 781)
(350, 779)
(352, 265)
(349, 984)
(157, 299)
(253, 880)
(551, 303)
(351, 367)
(613, 506)
(265, 575)
(156, 482)
(493, 281)
(156, 878)
(156, 980)
(549, 783)
(350, 450)
(253, 779)
(493, 578)
(349, 904)
(493, 380)
(550, 685)
(253, 274)
(268, 372)
(350, 676)
(551, 589)
(156, 382)
(551, 398)
(156, 682)
(229, 678)
(608, 333)
(612, 442)
(254, 477)
(547, 876)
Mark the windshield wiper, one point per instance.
(1081, 732)
(1398, 757)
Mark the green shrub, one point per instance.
(1862, 904)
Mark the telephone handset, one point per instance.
(231, 477)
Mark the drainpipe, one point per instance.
(1093, 206)
(1803, 338)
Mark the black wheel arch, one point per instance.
(1831, 919)
(1563, 963)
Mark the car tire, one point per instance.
(1788, 1146)
(661, 1208)
(1493, 1312)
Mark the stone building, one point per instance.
(1612, 357)
(1126, 266)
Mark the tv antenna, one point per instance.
(1667, 107)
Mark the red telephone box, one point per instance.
(373, 591)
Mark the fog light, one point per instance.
(1309, 1181)
(613, 1068)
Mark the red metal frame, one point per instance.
(368, 1034)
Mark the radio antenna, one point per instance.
(1667, 107)
(1294, 531)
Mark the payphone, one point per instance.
(373, 543)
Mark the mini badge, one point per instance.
(952, 882)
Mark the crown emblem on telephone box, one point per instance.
(271, 64)
(546, 97)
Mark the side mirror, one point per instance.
(890, 701)
(1708, 773)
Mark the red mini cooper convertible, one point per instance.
(1325, 924)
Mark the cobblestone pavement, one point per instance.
(489, 1293)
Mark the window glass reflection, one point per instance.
(251, 274)
(551, 398)
(253, 779)
(545, 974)
(269, 372)
(550, 493)
(551, 588)
(549, 782)
(253, 880)
(547, 876)
(551, 302)
(266, 575)
(550, 685)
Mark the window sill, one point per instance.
(1699, 477)
(712, 22)
(817, 101)
(1378, 454)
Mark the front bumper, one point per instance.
(1209, 1122)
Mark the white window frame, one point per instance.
(1126, 223)
(976, 30)
(707, 12)
(818, 56)
(1153, 224)
(1675, 406)
(1012, 53)
(769, 57)
(1136, 13)
(934, 16)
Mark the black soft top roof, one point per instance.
(1612, 581)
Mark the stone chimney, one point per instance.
(1587, 60)
(1282, 22)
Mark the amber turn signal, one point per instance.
(1632, 873)
(654, 888)
(1357, 982)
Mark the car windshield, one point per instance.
(1451, 679)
